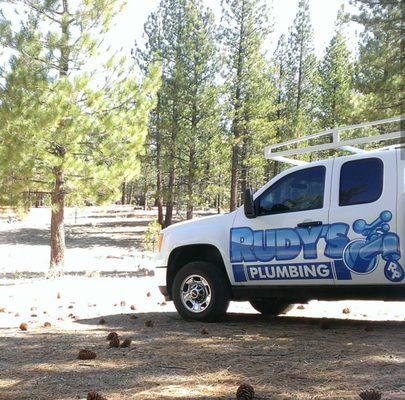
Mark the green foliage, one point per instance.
(302, 80)
(379, 70)
(336, 86)
(151, 236)
(56, 118)
(249, 92)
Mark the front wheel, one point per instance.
(271, 307)
(201, 292)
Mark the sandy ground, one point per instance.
(315, 352)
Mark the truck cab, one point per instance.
(326, 230)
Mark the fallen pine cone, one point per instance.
(149, 323)
(115, 342)
(112, 335)
(126, 343)
(2, 309)
(148, 294)
(370, 395)
(245, 392)
(24, 326)
(300, 307)
(93, 395)
(346, 311)
(204, 331)
(133, 307)
(86, 354)
(47, 325)
(324, 324)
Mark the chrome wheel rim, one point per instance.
(195, 293)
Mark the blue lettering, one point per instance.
(288, 244)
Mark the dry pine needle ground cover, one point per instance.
(283, 358)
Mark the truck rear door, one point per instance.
(363, 238)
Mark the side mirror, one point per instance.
(248, 204)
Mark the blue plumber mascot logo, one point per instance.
(361, 255)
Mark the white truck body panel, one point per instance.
(360, 244)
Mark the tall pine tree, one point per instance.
(302, 76)
(379, 71)
(336, 85)
(63, 132)
(249, 95)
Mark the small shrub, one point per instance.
(150, 238)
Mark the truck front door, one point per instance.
(286, 243)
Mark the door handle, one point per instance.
(309, 224)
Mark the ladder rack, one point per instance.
(335, 143)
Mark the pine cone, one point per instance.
(47, 325)
(204, 331)
(324, 323)
(112, 335)
(346, 310)
(126, 343)
(23, 326)
(370, 395)
(93, 395)
(85, 354)
(245, 392)
(149, 323)
(115, 342)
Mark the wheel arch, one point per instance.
(180, 256)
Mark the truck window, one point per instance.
(361, 181)
(299, 191)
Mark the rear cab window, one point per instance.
(361, 181)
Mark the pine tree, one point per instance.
(63, 132)
(182, 35)
(379, 71)
(302, 77)
(248, 89)
(336, 106)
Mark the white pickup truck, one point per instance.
(326, 230)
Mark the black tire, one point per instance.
(219, 290)
(271, 307)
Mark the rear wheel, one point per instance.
(271, 307)
(201, 292)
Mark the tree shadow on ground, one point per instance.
(76, 237)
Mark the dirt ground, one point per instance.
(314, 352)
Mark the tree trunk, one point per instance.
(236, 121)
(57, 223)
(234, 177)
(190, 183)
(158, 200)
(124, 186)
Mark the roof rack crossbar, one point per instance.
(348, 145)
